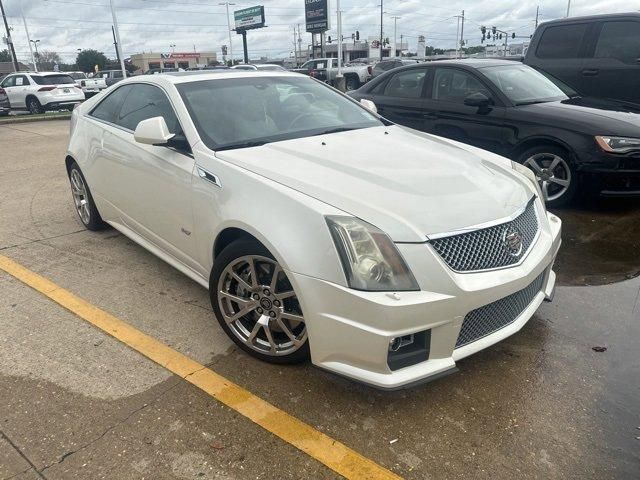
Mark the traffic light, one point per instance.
(513, 35)
(500, 36)
(493, 30)
(329, 39)
(483, 29)
(357, 35)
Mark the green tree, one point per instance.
(88, 59)
(5, 56)
(474, 49)
(47, 59)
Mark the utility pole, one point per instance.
(458, 37)
(462, 34)
(26, 29)
(381, 31)
(9, 41)
(401, 37)
(116, 34)
(299, 44)
(568, 7)
(229, 28)
(537, 12)
(395, 48)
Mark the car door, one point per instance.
(401, 98)
(612, 68)
(16, 88)
(447, 115)
(561, 52)
(151, 185)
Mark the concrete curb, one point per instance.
(30, 118)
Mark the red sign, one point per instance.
(184, 55)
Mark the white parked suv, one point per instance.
(38, 92)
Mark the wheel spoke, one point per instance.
(252, 269)
(241, 280)
(545, 189)
(559, 181)
(274, 277)
(554, 164)
(240, 313)
(283, 295)
(254, 332)
(287, 331)
(292, 316)
(533, 163)
(235, 298)
(272, 344)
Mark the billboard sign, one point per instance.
(249, 18)
(316, 14)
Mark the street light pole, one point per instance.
(26, 29)
(116, 33)
(9, 41)
(395, 46)
(229, 29)
(381, 31)
(339, 19)
(568, 7)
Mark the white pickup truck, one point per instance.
(326, 69)
(90, 86)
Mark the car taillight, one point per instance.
(2, 92)
(370, 70)
(46, 89)
(83, 83)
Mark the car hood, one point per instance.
(593, 116)
(408, 184)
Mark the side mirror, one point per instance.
(369, 105)
(477, 99)
(153, 131)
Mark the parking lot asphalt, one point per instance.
(77, 403)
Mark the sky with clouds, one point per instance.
(153, 25)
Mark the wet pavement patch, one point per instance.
(600, 242)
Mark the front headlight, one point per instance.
(370, 259)
(618, 144)
(527, 172)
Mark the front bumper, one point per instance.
(350, 331)
(611, 174)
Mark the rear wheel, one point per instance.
(256, 305)
(351, 82)
(33, 104)
(556, 174)
(83, 201)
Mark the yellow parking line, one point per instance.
(323, 448)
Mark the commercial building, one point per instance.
(146, 61)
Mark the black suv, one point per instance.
(598, 56)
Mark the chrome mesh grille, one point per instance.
(485, 249)
(485, 320)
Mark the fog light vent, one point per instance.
(409, 349)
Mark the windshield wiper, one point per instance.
(234, 146)
(531, 102)
(335, 130)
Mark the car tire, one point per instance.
(262, 316)
(556, 172)
(33, 105)
(83, 201)
(351, 82)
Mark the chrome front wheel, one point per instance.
(257, 306)
(554, 171)
(80, 197)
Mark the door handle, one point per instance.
(590, 72)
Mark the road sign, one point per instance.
(316, 13)
(249, 18)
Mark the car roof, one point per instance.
(606, 16)
(199, 75)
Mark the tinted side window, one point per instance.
(407, 84)
(562, 41)
(143, 102)
(9, 82)
(619, 40)
(450, 85)
(108, 108)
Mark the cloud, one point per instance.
(152, 25)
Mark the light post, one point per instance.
(339, 78)
(381, 30)
(395, 47)
(116, 34)
(173, 48)
(37, 57)
(229, 29)
(26, 29)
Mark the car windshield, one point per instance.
(53, 79)
(523, 85)
(243, 112)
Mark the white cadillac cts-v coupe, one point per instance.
(320, 229)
